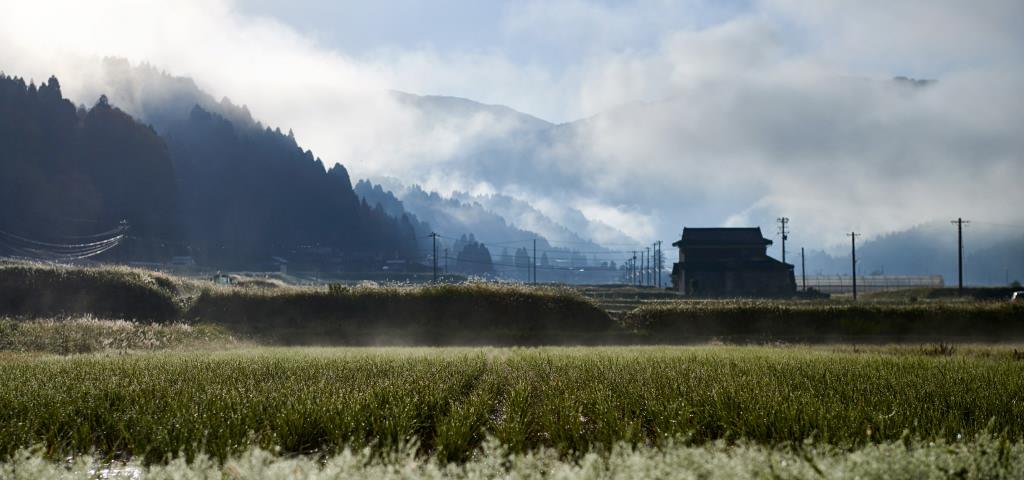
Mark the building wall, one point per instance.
(737, 283)
(732, 282)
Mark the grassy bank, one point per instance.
(467, 313)
(470, 313)
(87, 334)
(566, 399)
(991, 294)
(753, 320)
(38, 290)
(982, 457)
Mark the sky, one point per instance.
(696, 112)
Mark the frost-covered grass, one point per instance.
(984, 457)
(87, 334)
(570, 400)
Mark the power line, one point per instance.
(1007, 225)
(539, 267)
(55, 245)
(526, 241)
(39, 250)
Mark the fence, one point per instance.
(870, 283)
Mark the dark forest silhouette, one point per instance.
(67, 172)
(228, 196)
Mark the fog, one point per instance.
(785, 107)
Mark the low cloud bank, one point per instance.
(787, 108)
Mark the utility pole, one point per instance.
(634, 279)
(433, 236)
(647, 267)
(960, 254)
(535, 261)
(655, 270)
(647, 270)
(803, 268)
(654, 264)
(657, 264)
(640, 273)
(661, 265)
(784, 233)
(643, 267)
(853, 259)
(446, 260)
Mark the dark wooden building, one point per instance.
(729, 262)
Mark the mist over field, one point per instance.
(642, 116)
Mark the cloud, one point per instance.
(338, 105)
(753, 127)
(920, 37)
(698, 112)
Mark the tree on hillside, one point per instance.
(68, 172)
(475, 259)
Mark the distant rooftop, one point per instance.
(722, 236)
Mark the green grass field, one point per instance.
(120, 372)
(570, 400)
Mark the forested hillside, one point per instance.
(230, 193)
(67, 173)
(993, 254)
(249, 194)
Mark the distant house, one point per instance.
(729, 262)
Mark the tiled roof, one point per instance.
(722, 236)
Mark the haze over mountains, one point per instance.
(234, 193)
(218, 147)
(162, 99)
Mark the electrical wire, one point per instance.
(1007, 225)
(539, 267)
(39, 250)
(554, 250)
